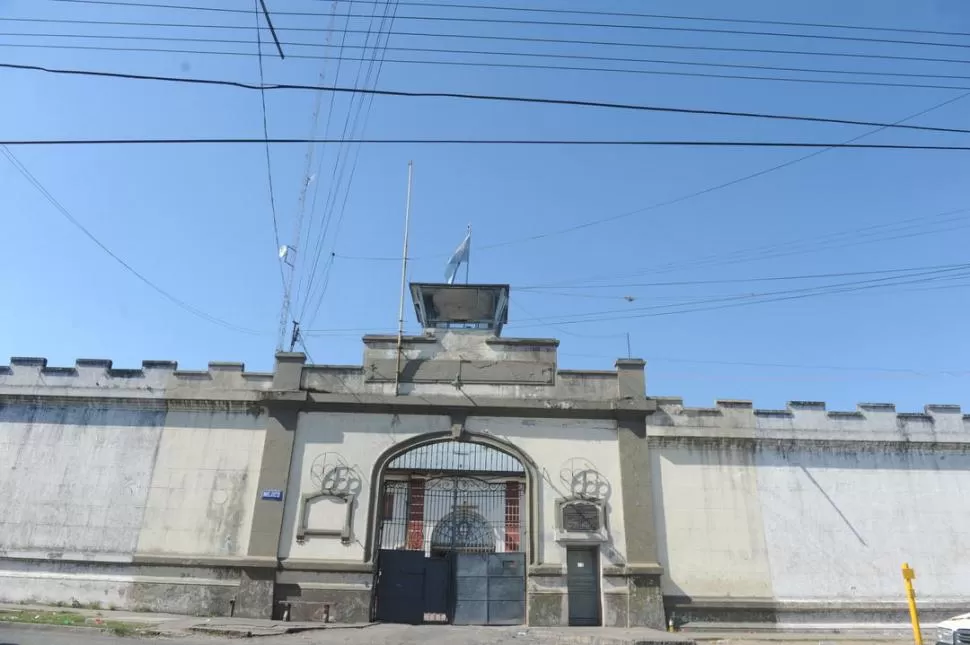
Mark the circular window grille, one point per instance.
(465, 531)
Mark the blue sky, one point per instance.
(196, 219)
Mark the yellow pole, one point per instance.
(908, 576)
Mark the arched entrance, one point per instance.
(450, 534)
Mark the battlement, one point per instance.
(31, 376)
(481, 366)
(810, 421)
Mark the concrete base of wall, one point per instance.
(334, 596)
(628, 601)
(733, 610)
(189, 590)
(547, 609)
(323, 605)
(646, 602)
(256, 589)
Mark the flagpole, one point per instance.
(404, 280)
(468, 260)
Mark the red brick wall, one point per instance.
(513, 518)
(415, 532)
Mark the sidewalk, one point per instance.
(170, 625)
(161, 624)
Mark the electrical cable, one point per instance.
(872, 238)
(62, 210)
(339, 168)
(490, 97)
(353, 170)
(961, 271)
(269, 165)
(662, 143)
(722, 185)
(901, 229)
(481, 64)
(617, 14)
(570, 56)
(759, 298)
(541, 23)
(525, 39)
(326, 132)
(681, 283)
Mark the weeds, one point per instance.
(72, 619)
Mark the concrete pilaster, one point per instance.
(257, 590)
(642, 569)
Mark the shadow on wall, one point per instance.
(667, 586)
(581, 480)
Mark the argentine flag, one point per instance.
(460, 255)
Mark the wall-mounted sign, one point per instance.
(273, 494)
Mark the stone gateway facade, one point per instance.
(462, 477)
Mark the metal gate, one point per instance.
(489, 589)
(457, 508)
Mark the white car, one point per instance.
(954, 631)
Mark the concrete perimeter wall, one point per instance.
(115, 493)
(803, 513)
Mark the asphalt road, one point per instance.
(405, 635)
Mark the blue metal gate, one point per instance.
(489, 589)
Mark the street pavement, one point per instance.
(373, 635)
(16, 635)
(434, 635)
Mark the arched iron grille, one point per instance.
(453, 496)
(463, 531)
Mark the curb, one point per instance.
(258, 632)
(142, 633)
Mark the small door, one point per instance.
(400, 587)
(471, 589)
(437, 590)
(506, 589)
(582, 585)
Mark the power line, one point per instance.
(959, 270)
(353, 170)
(269, 164)
(326, 133)
(566, 68)
(814, 243)
(762, 298)
(662, 143)
(542, 23)
(536, 39)
(682, 283)
(269, 25)
(62, 210)
(727, 184)
(617, 14)
(481, 52)
(486, 97)
(868, 230)
(873, 234)
(338, 175)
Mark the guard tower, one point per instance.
(456, 307)
(461, 345)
